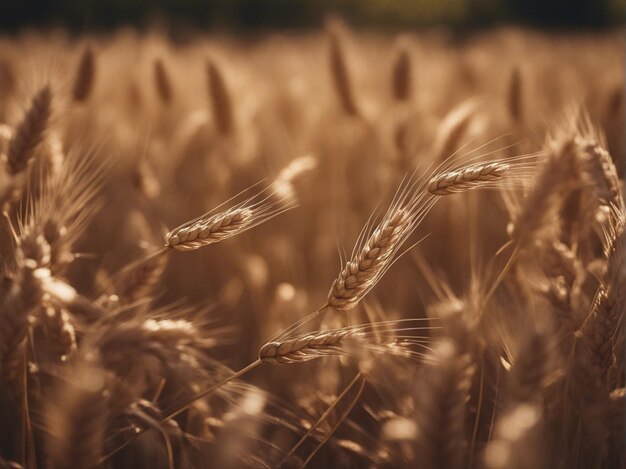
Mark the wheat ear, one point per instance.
(515, 96)
(402, 76)
(212, 228)
(307, 347)
(162, 82)
(372, 256)
(602, 330)
(601, 171)
(85, 76)
(467, 178)
(443, 395)
(453, 128)
(340, 75)
(29, 132)
(223, 112)
(379, 337)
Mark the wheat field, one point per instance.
(426, 267)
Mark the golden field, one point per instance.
(426, 266)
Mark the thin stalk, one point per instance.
(320, 419)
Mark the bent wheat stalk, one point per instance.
(341, 419)
(321, 419)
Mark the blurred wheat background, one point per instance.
(327, 248)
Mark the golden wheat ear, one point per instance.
(402, 75)
(465, 179)
(515, 103)
(85, 76)
(340, 74)
(221, 102)
(373, 255)
(211, 227)
(29, 132)
(162, 82)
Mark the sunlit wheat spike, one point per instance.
(209, 230)
(541, 202)
(30, 131)
(453, 128)
(304, 348)
(372, 256)
(601, 330)
(340, 74)
(442, 404)
(65, 205)
(212, 228)
(466, 179)
(601, 170)
(219, 96)
(386, 337)
(284, 182)
(515, 97)
(402, 76)
(162, 82)
(359, 273)
(85, 76)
